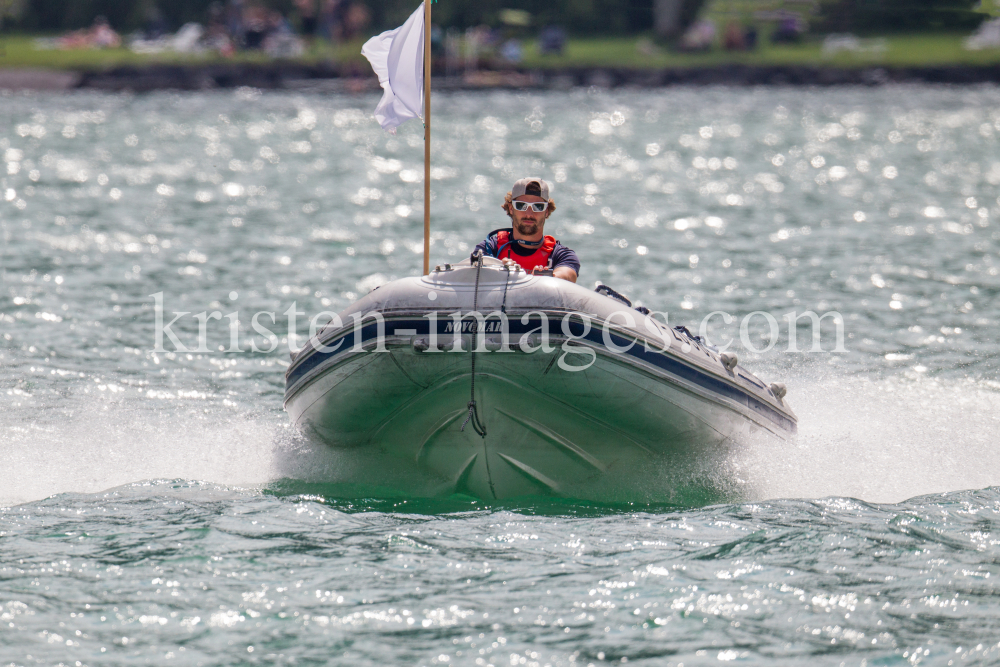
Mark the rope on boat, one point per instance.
(503, 305)
(473, 411)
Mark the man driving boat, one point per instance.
(525, 243)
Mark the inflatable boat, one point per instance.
(482, 380)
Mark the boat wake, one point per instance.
(93, 448)
(876, 440)
(881, 441)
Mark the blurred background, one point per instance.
(478, 35)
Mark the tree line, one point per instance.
(875, 17)
(579, 17)
(576, 16)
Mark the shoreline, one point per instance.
(330, 77)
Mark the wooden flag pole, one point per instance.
(427, 136)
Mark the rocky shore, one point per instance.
(330, 77)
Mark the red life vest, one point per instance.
(539, 258)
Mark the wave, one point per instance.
(876, 440)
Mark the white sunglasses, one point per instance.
(536, 206)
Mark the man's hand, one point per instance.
(565, 273)
(509, 263)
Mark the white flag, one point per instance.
(397, 56)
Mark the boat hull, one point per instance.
(635, 438)
(570, 405)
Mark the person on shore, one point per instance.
(525, 243)
(234, 21)
(99, 36)
(256, 27)
(331, 20)
(308, 18)
(103, 36)
(217, 36)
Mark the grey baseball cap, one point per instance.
(530, 186)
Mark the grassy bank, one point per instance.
(631, 52)
(896, 51)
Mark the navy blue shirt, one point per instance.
(561, 255)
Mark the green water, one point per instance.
(158, 509)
